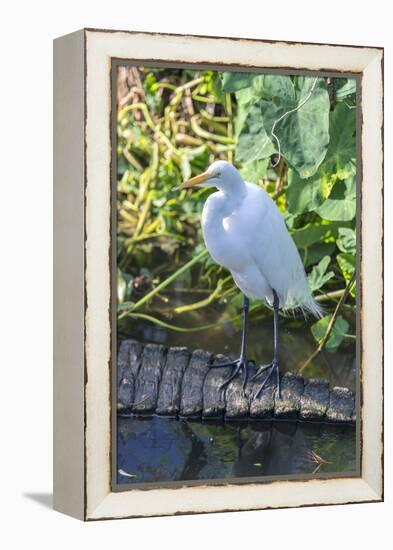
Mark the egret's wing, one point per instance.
(277, 257)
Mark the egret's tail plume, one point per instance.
(312, 307)
(305, 307)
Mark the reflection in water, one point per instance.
(162, 449)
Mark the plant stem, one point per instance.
(138, 106)
(156, 235)
(330, 295)
(165, 283)
(141, 222)
(209, 117)
(183, 329)
(202, 303)
(208, 135)
(167, 85)
(142, 107)
(167, 325)
(132, 160)
(147, 204)
(330, 326)
(282, 169)
(190, 84)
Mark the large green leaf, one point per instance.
(346, 241)
(253, 142)
(337, 210)
(255, 170)
(341, 204)
(245, 99)
(323, 192)
(318, 276)
(313, 253)
(242, 113)
(341, 155)
(303, 195)
(246, 96)
(345, 87)
(232, 82)
(303, 133)
(311, 234)
(340, 329)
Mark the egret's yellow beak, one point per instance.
(196, 180)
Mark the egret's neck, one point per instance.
(231, 193)
(233, 188)
(219, 206)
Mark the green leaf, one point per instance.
(216, 87)
(315, 252)
(253, 142)
(245, 99)
(303, 134)
(341, 204)
(303, 195)
(337, 334)
(153, 99)
(280, 90)
(246, 96)
(341, 154)
(346, 241)
(347, 264)
(242, 113)
(326, 185)
(311, 234)
(124, 286)
(318, 276)
(337, 210)
(121, 287)
(322, 191)
(345, 87)
(255, 170)
(237, 301)
(232, 82)
(290, 219)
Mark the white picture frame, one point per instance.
(83, 256)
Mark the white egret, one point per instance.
(244, 232)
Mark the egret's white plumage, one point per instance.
(245, 232)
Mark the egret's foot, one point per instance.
(238, 366)
(272, 368)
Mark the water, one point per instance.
(160, 449)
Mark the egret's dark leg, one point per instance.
(242, 362)
(274, 366)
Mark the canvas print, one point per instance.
(235, 279)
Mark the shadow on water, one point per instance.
(161, 449)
